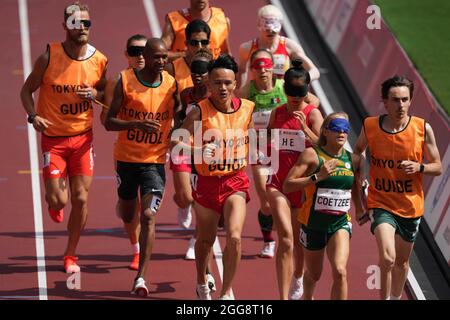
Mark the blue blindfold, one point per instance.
(339, 125)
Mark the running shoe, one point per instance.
(185, 217)
(139, 288)
(203, 292)
(268, 250)
(211, 282)
(296, 290)
(226, 297)
(70, 264)
(56, 215)
(135, 262)
(190, 253)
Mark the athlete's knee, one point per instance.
(234, 242)
(286, 243)
(339, 273)
(148, 217)
(55, 201)
(387, 260)
(402, 264)
(314, 275)
(79, 197)
(183, 199)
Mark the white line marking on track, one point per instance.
(34, 163)
(327, 108)
(152, 18)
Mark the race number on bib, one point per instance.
(293, 140)
(333, 201)
(261, 119)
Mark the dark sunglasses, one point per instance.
(135, 51)
(86, 23)
(195, 43)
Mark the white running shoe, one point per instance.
(203, 292)
(190, 253)
(185, 217)
(139, 288)
(268, 250)
(226, 297)
(211, 282)
(296, 290)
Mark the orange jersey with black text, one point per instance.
(182, 74)
(229, 131)
(145, 102)
(217, 23)
(58, 101)
(390, 187)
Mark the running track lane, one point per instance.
(104, 250)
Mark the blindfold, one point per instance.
(339, 125)
(262, 63)
(199, 67)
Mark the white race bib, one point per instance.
(333, 201)
(279, 64)
(261, 119)
(293, 140)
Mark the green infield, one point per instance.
(423, 29)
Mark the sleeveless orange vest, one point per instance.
(217, 23)
(182, 74)
(142, 102)
(235, 144)
(390, 187)
(58, 101)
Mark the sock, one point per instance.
(267, 236)
(395, 298)
(136, 248)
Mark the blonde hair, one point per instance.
(322, 139)
(270, 11)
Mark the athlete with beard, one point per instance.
(69, 76)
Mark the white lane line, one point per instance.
(34, 163)
(327, 108)
(152, 18)
(218, 258)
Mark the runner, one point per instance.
(298, 124)
(221, 187)
(327, 174)
(134, 54)
(182, 169)
(143, 142)
(176, 21)
(283, 49)
(267, 93)
(396, 142)
(197, 35)
(70, 75)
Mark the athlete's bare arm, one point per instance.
(178, 110)
(168, 36)
(434, 166)
(298, 176)
(358, 192)
(32, 83)
(242, 76)
(295, 51)
(112, 123)
(108, 97)
(189, 125)
(226, 48)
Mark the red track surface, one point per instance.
(104, 249)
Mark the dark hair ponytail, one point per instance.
(297, 71)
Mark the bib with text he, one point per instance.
(292, 140)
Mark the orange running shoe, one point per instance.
(135, 262)
(70, 264)
(56, 215)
